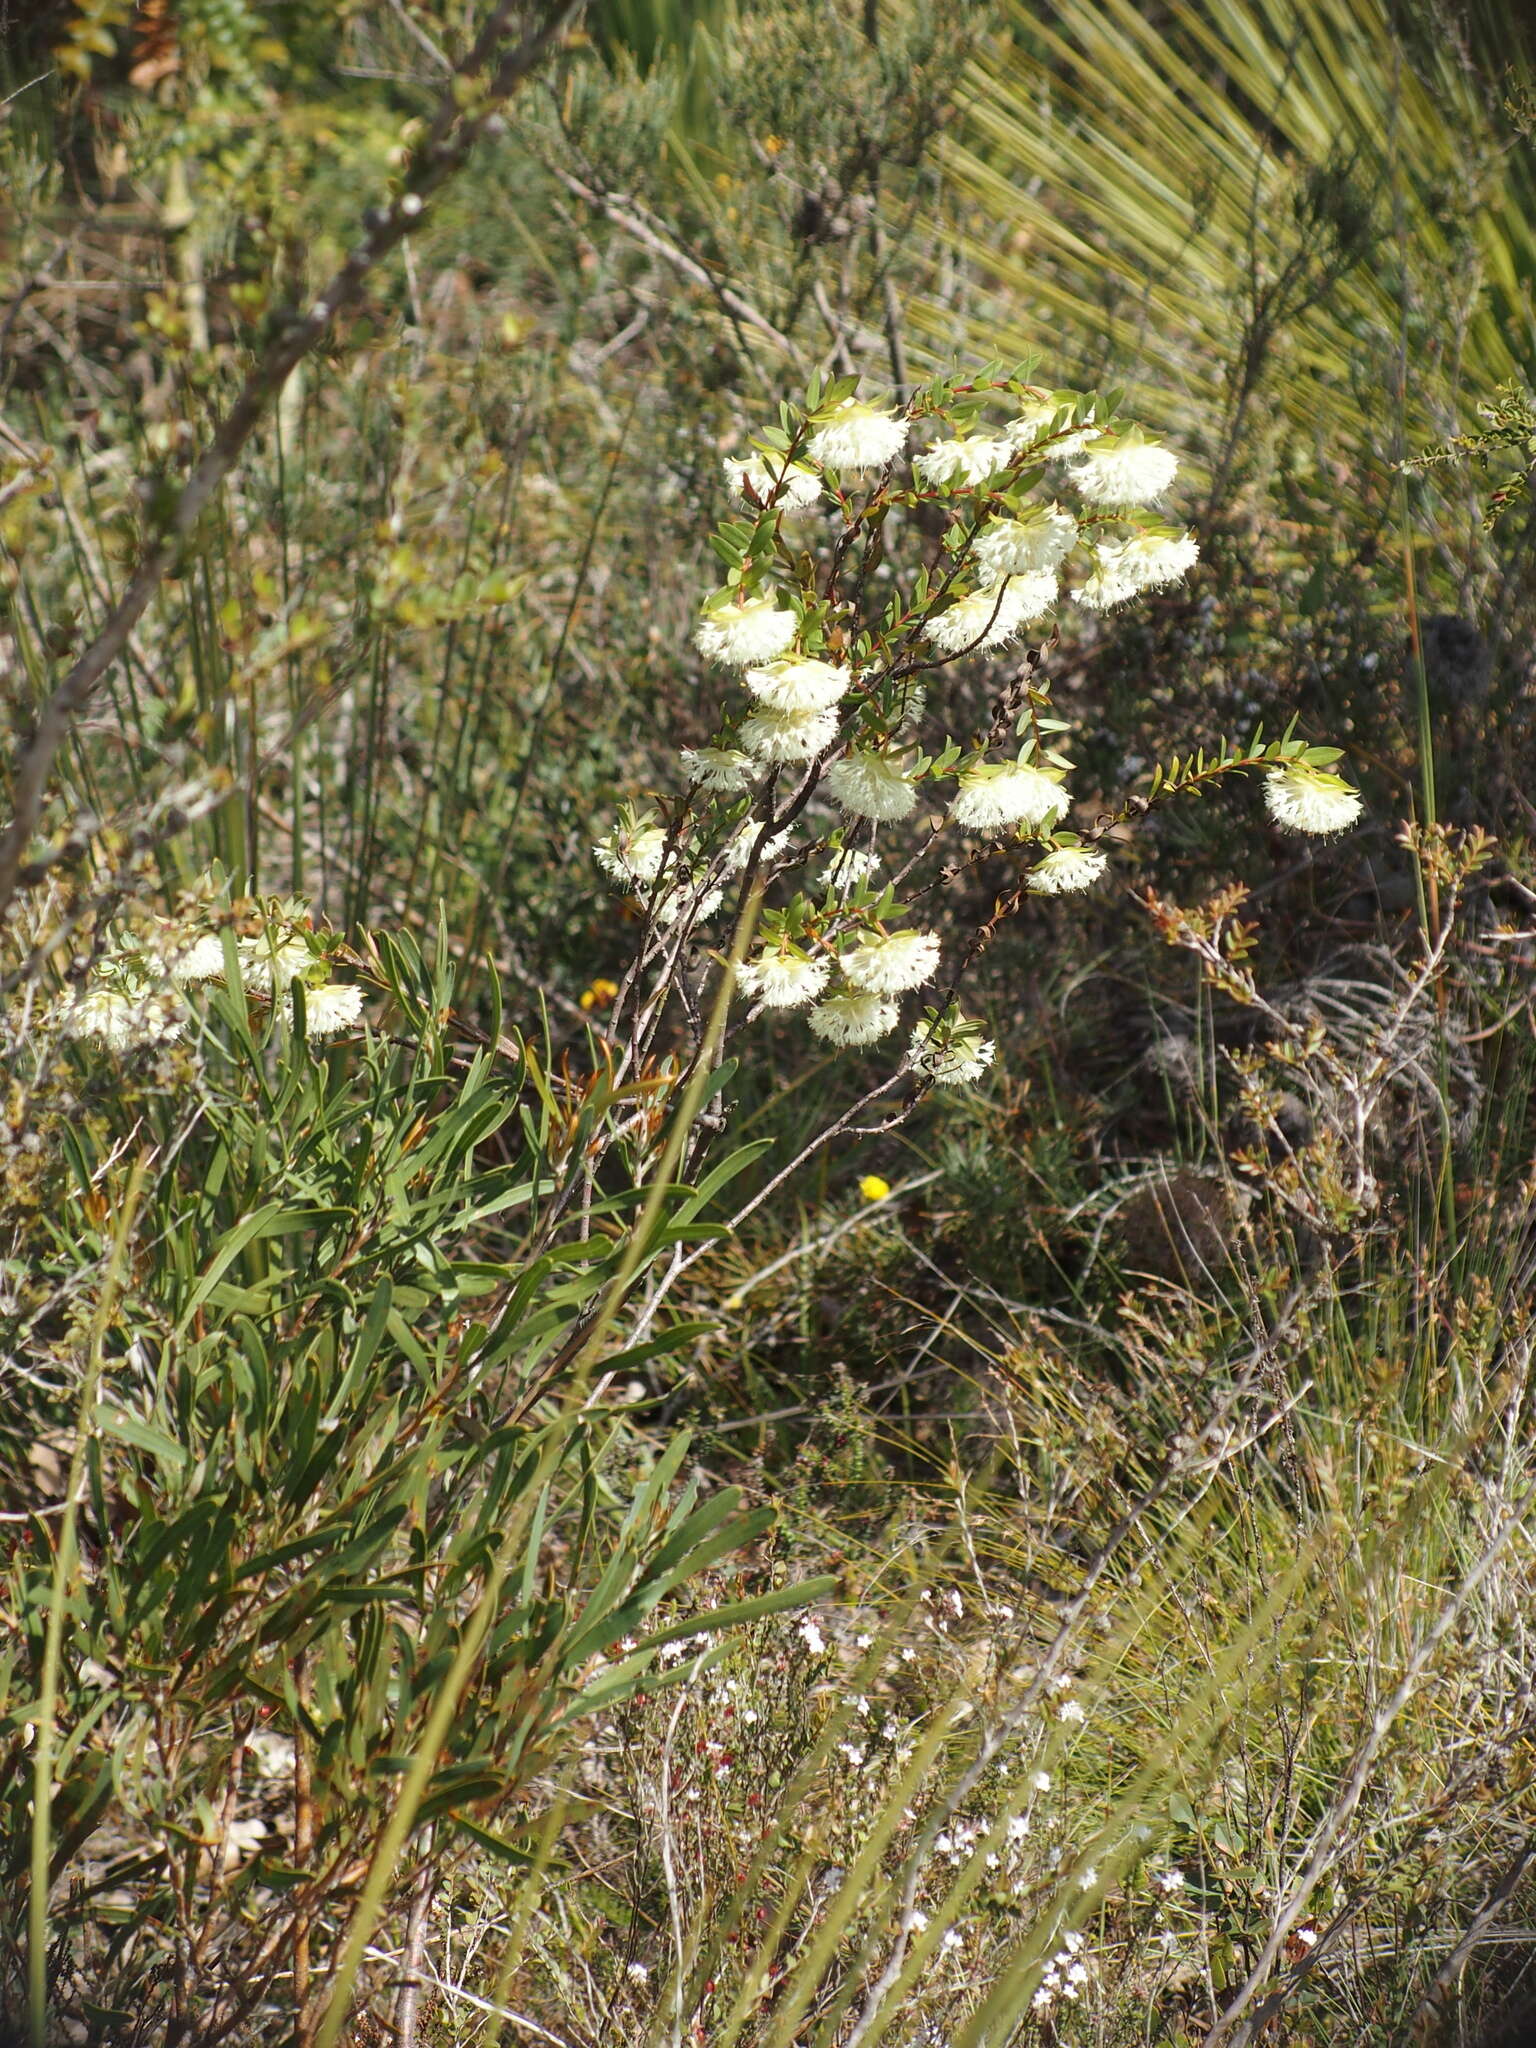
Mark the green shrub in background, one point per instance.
(318, 1554)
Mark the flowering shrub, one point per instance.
(842, 733)
(143, 988)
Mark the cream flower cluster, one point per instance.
(138, 998)
(871, 972)
(950, 1050)
(833, 708)
(1307, 799)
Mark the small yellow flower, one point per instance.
(599, 995)
(873, 1188)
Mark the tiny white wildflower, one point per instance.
(782, 980)
(867, 784)
(726, 769)
(798, 683)
(1072, 1710)
(952, 1939)
(787, 735)
(996, 794)
(887, 963)
(1040, 1781)
(917, 1921)
(1033, 544)
(637, 1973)
(854, 1019)
(844, 871)
(951, 1051)
(993, 615)
(857, 437)
(1124, 469)
(739, 634)
(122, 1022)
(1146, 561)
(632, 851)
(269, 961)
(1311, 800)
(331, 1008)
(201, 959)
(1034, 423)
(1060, 1681)
(271, 1753)
(1088, 1879)
(791, 488)
(1066, 869)
(683, 897)
(968, 459)
(812, 1637)
(738, 850)
(1168, 1880)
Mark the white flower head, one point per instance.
(1125, 469)
(191, 957)
(121, 1021)
(782, 979)
(789, 488)
(967, 460)
(812, 1637)
(798, 684)
(1034, 423)
(868, 784)
(787, 735)
(271, 1753)
(1146, 561)
(844, 871)
(950, 1050)
(1039, 539)
(632, 851)
(738, 849)
(684, 898)
(331, 1008)
(996, 794)
(1311, 800)
(993, 615)
(857, 437)
(272, 961)
(853, 1018)
(1066, 869)
(887, 963)
(726, 769)
(739, 633)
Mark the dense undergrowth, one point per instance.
(485, 1557)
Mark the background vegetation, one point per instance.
(1060, 1570)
